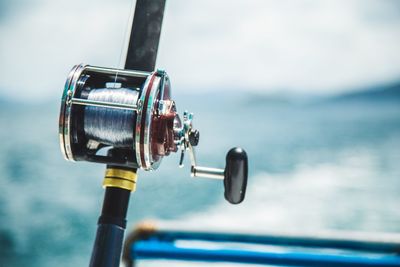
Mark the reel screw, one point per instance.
(160, 72)
(194, 137)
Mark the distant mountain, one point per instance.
(382, 93)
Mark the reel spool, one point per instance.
(126, 118)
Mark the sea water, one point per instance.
(314, 165)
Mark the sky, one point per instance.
(281, 46)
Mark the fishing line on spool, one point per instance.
(111, 126)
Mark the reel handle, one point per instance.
(234, 176)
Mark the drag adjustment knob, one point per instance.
(235, 175)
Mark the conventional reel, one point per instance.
(127, 119)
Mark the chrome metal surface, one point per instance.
(132, 73)
(149, 91)
(192, 155)
(69, 93)
(87, 102)
(139, 121)
(61, 125)
(150, 164)
(182, 133)
(206, 172)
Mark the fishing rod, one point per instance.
(126, 119)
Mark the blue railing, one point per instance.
(271, 250)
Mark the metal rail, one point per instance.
(278, 250)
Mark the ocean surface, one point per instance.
(315, 164)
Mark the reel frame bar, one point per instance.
(133, 73)
(94, 103)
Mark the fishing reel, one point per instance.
(127, 118)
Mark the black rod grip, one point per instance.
(111, 227)
(107, 246)
(236, 172)
(115, 206)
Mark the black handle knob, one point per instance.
(235, 180)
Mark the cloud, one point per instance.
(302, 46)
(40, 45)
(292, 45)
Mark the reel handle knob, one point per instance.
(235, 175)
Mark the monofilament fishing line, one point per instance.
(109, 125)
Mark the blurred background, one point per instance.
(311, 89)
